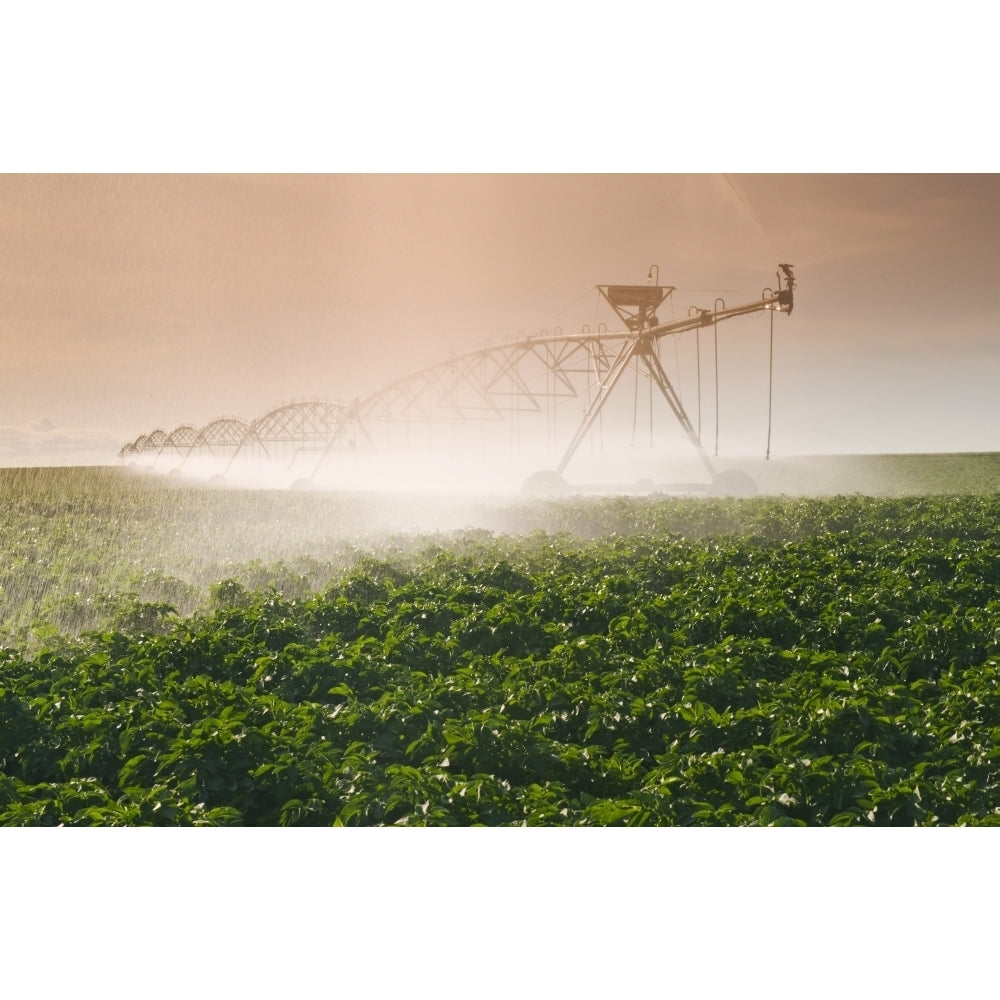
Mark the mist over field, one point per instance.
(81, 544)
(416, 484)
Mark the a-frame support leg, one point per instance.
(625, 355)
(659, 376)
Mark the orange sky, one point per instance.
(130, 302)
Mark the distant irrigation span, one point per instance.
(540, 395)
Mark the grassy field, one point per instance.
(173, 654)
(878, 475)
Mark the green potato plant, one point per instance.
(639, 661)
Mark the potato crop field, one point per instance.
(177, 655)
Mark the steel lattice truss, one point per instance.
(182, 438)
(492, 383)
(222, 435)
(308, 424)
(527, 377)
(305, 425)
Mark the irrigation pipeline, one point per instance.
(432, 393)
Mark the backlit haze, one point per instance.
(130, 302)
(135, 302)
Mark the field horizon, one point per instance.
(820, 474)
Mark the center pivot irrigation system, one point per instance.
(523, 394)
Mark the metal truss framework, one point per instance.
(294, 427)
(491, 385)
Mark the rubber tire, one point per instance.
(733, 483)
(546, 483)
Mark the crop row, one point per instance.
(102, 549)
(835, 663)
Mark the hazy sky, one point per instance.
(131, 302)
